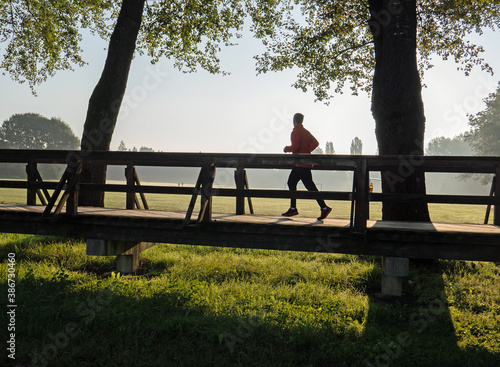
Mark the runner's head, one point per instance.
(298, 118)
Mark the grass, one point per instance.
(207, 306)
(448, 213)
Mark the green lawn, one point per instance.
(449, 213)
(207, 306)
(204, 306)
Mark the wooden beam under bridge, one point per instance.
(384, 238)
(395, 241)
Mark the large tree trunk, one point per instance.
(397, 105)
(106, 99)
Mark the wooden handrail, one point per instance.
(458, 164)
(360, 165)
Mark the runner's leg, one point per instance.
(293, 180)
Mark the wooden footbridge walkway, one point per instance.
(125, 232)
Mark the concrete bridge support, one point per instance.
(394, 269)
(127, 252)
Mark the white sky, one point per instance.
(172, 111)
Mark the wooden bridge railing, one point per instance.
(209, 162)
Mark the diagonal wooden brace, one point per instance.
(68, 182)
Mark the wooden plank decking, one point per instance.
(127, 232)
(267, 219)
(386, 238)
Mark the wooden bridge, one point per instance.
(51, 208)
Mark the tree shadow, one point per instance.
(416, 330)
(62, 322)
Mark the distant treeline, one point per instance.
(33, 131)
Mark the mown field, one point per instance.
(207, 306)
(451, 213)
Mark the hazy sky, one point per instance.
(172, 111)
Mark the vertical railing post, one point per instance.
(496, 215)
(239, 177)
(207, 180)
(72, 201)
(31, 192)
(129, 175)
(361, 195)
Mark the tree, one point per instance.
(372, 46)
(356, 146)
(189, 32)
(106, 99)
(329, 149)
(318, 150)
(484, 134)
(366, 45)
(33, 131)
(122, 147)
(171, 29)
(43, 36)
(449, 146)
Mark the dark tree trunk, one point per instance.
(106, 99)
(397, 105)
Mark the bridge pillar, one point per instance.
(393, 271)
(127, 252)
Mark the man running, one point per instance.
(303, 142)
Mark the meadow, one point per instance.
(209, 306)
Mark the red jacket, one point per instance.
(303, 142)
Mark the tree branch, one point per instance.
(352, 48)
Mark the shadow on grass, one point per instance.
(61, 322)
(416, 330)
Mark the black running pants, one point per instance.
(302, 174)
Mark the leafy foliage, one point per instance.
(331, 43)
(443, 28)
(43, 37)
(190, 32)
(33, 131)
(449, 146)
(484, 135)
